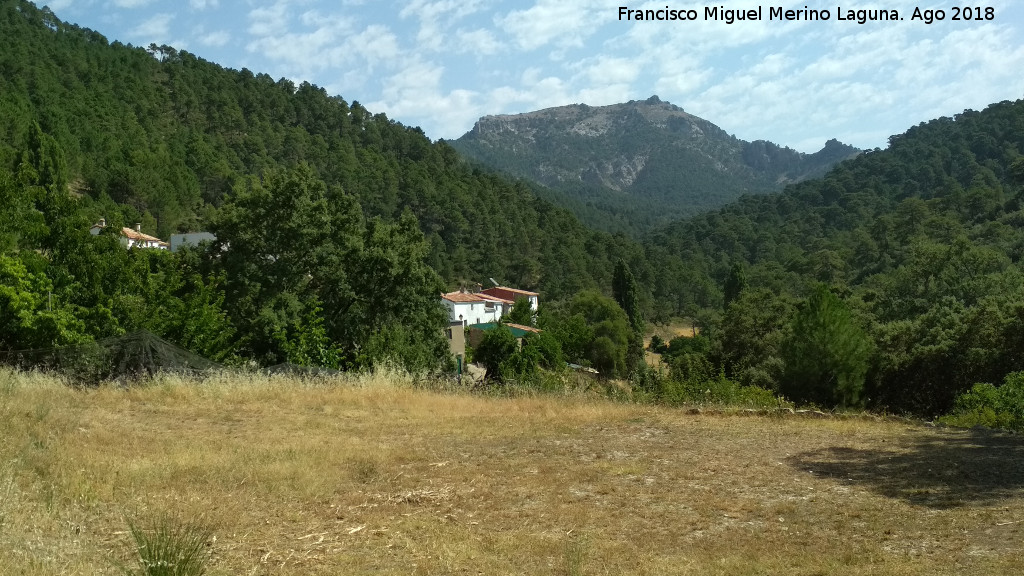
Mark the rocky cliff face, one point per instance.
(650, 152)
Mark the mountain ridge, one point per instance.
(648, 159)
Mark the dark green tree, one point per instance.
(496, 348)
(827, 353)
(626, 293)
(609, 330)
(549, 350)
(521, 312)
(751, 336)
(734, 284)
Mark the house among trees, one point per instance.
(474, 307)
(132, 238)
(484, 306)
(179, 241)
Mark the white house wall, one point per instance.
(470, 313)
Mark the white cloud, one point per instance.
(269, 20)
(154, 29)
(451, 9)
(131, 3)
(559, 22)
(435, 19)
(480, 42)
(218, 38)
(611, 70)
(415, 94)
(443, 63)
(375, 45)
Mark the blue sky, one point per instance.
(441, 64)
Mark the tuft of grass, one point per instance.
(575, 554)
(170, 547)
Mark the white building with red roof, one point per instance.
(484, 306)
(132, 238)
(475, 308)
(513, 294)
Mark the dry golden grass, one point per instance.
(375, 477)
(676, 327)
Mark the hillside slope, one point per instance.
(638, 164)
(160, 136)
(923, 240)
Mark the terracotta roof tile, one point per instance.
(461, 297)
(136, 235)
(499, 289)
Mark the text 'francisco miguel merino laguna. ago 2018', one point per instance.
(778, 13)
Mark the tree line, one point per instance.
(893, 282)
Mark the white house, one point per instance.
(132, 238)
(469, 308)
(484, 305)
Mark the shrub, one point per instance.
(169, 547)
(991, 406)
(657, 345)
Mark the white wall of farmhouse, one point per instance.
(470, 313)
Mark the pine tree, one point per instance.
(827, 353)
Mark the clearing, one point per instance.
(376, 477)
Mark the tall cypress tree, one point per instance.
(625, 292)
(734, 284)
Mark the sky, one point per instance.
(442, 64)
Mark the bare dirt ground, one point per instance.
(378, 478)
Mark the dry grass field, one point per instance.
(373, 476)
(677, 327)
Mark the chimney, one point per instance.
(138, 227)
(479, 287)
(103, 222)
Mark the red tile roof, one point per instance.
(489, 298)
(462, 297)
(483, 296)
(509, 293)
(139, 236)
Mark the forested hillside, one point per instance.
(634, 166)
(161, 136)
(922, 242)
(337, 229)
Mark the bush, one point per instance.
(548, 350)
(991, 406)
(698, 385)
(681, 345)
(496, 347)
(657, 345)
(168, 547)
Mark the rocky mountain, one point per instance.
(636, 165)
